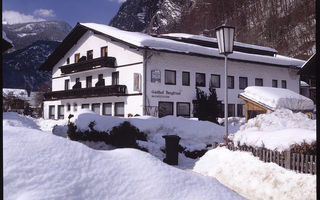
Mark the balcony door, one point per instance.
(115, 78)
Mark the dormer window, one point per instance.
(76, 57)
(104, 51)
(90, 55)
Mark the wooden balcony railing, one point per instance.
(111, 90)
(88, 65)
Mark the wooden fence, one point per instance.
(294, 161)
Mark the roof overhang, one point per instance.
(309, 68)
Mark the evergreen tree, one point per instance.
(207, 108)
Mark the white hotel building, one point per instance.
(121, 73)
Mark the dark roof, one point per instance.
(5, 45)
(309, 69)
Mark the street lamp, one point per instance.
(225, 37)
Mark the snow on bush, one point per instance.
(276, 130)
(254, 179)
(42, 166)
(195, 135)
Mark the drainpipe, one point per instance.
(144, 94)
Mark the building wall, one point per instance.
(193, 64)
(124, 56)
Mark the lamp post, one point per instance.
(225, 37)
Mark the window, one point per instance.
(90, 55)
(183, 109)
(77, 80)
(215, 80)
(230, 82)
(68, 107)
(115, 78)
(119, 109)
(106, 109)
(66, 84)
(104, 51)
(201, 79)
(96, 108)
(51, 112)
(75, 107)
(258, 82)
(68, 61)
(83, 106)
(243, 83)
(61, 112)
(170, 77)
(231, 110)
(240, 110)
(76, 57)
(155, 76)
(165, 108)
(284, 84)
(186, 78)
(275, 83)
(88, 81)
(100, 77)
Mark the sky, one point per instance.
(71, 11)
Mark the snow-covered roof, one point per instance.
(304, 84)
(146, 41)
(275, 98)
(18, 93)
(214, 40)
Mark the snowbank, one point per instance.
(15, 120)
(38, 165)
(275, 98)
(195, 135)
(276, 130)
(255, 179)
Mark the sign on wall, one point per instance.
(155, 76)
(137, 82)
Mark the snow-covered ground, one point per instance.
(276, 130)
(39, 165)
(254, 179)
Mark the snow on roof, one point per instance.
(214, 40)
(146, 41)
(275, 98)
(18, 93)
(304, 84)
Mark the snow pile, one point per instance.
(275, 98)
(15, 120)
(147, 41)
(254, 179)
(48, 124)
(18, 93)
(195, 135)
(37, 165)
(276, 130)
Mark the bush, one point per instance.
(304, 148)
(124, 135)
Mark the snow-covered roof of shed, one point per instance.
(214, 40)
(18, 93)
(146, 41)
(275, 98)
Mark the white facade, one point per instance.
(141, 63)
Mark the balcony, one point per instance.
(102, 91)
(88, 65)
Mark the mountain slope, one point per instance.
(25, 34)
(287, 25)
(20, 68)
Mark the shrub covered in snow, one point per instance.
(277, 130)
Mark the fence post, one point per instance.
(287, 159)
